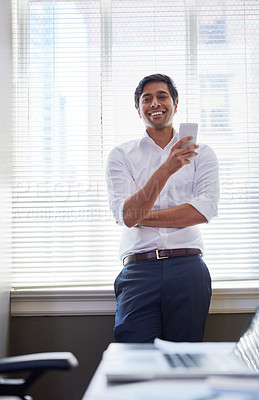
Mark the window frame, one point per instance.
(236, 296)
(227, 297)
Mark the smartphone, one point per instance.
(188, 129)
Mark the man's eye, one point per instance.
(146, 99)
(162, 97)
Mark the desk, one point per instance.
(159, 389)
(155, 390)
(100, 390)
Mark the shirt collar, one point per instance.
(146, 138)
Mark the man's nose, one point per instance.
(155, 103)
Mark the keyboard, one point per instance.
(184, 360)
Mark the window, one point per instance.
(76, 65)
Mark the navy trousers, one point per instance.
(168, 299)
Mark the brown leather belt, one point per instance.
(160, 254)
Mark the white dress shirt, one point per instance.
(131, 164)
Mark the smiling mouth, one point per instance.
(154, 113)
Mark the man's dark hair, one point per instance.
(156, 78)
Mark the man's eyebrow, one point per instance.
(163, 92)
(159, 92)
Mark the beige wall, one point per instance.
(5, 140)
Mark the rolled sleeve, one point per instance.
(119, 182)
(206, 184)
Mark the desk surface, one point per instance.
(159, 389)
(152, 390)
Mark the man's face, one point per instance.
(156, 105)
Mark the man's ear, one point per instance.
(140, 116)
(175, 107)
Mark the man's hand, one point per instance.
(179, 156)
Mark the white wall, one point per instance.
(5, 165)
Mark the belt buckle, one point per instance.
(158, 257)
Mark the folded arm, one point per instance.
(134, 207)
(180, 216)
(138, 206)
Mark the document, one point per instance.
(193, 348)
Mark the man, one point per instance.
(161, 192)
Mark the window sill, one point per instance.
(227, 297)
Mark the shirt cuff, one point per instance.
(117, 210)
(206, 207)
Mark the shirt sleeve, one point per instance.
(206, 184)
(119, 181)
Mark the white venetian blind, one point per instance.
(76, 66)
